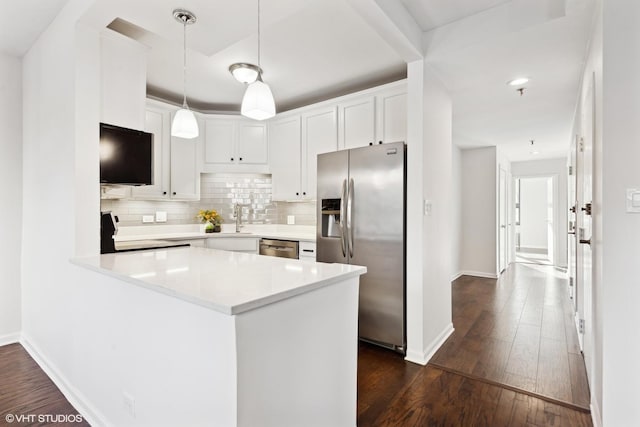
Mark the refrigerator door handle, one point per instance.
(343, 237)
(350, 218)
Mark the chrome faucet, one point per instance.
(237, 214)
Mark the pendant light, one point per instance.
(258, 102)
(184, 121)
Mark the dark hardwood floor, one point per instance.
(26, 391)
(513, 360)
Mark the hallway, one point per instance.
(512, 360)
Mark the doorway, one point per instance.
(535, 224)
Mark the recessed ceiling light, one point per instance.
(518, 82)
(535, 152)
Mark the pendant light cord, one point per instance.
(259, 34)
(184, 63)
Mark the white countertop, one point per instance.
(196, 231)
(228, 282)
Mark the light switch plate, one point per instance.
(633, 200)
(147, 218)
(291, 219)
(161, 216)
(427, 207)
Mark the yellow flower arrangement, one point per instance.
(210, 216)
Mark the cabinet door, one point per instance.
(357, 123)
(252, 143)
(157, 123)
(391, 117)
(284, 158)
(243, 244)
(220, 136)
(185, 178)
(319, 135)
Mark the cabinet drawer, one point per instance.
(307, 250)
(233, 244)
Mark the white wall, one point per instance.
(60, 173)
(429, 175)
(558, 169)
(623, 386)
(533, 213)
(478, 211)
(618, 294)
(11, 204)
(456, 217)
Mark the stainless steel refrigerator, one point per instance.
(361, 221)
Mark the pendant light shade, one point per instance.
(258, 102)
(184, 123)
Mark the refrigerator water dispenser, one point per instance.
(330, 218)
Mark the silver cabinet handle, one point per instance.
(350, 218)
(343, 237)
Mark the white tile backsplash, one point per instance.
(219, 192)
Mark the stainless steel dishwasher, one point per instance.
(279, 248)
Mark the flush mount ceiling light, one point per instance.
(258, 102)
(533, 150)
(245, 73)
(184, 121)
(518, 82)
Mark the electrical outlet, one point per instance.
(161, 216)
(147, 218)
(129, 403)
(291, 219)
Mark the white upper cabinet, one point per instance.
(357, 122)
(379, 117)
(391, 119)
(319, 135)
(123, 77)
(157, 122)
(219, 141)
(284, 149)
(252, 143)
(176, 172)
(233, 144)
(185, 178)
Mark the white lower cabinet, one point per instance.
(234, 244)
(307, 251)
(196, 243)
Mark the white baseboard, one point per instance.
(479, 274)
(73, 395)
(9, 339)
(457, 275)
(422, 358)
(596, 417)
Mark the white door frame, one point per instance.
(556, 212)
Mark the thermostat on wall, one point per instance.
(633, 200)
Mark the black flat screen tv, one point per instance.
(126, 156)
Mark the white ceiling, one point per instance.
(24, 21)
(430, 14)
(311, 49)
(318, 49)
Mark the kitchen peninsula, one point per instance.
(195, 336)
